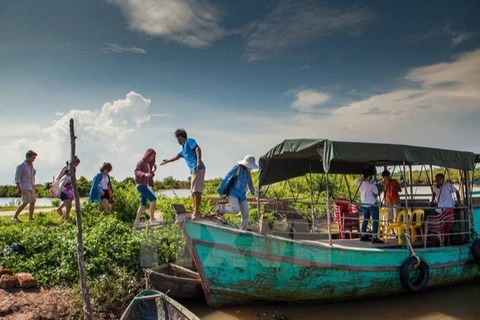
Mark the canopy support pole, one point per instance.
(328, 211)
(312, 207)
(410, 177)
(469, 200)
(405, 216)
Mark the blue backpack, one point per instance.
(230, 184)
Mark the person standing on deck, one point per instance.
(443, 192)
(192, 154)
(391, 189)
(25, 181)
(234, 186)
(144, 173)
(368, 194)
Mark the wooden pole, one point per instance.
(81, 261)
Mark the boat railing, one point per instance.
(293, 224)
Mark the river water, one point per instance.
(47, 202)
(460, 302)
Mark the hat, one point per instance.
(249, 162)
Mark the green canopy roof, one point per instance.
(293, 158)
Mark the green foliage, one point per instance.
(114, 252)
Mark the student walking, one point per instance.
(101, 190)
(144, 173)
(25, 181)
(234, 186)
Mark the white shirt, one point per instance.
(368, 193)
(63, 181)
(104, 182)
(444, 195)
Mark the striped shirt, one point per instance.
(25, 176)
(444, 195)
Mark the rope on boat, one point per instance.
(407, 238)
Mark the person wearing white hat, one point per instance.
(234, 186)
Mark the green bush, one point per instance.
(114, 252)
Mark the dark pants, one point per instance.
(367, 212)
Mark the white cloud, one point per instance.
(307, 100)
(111, 47)
(105, 133)
(441, 111)
(14, 129)
(293, 23)
(190, 22)
(447, 30)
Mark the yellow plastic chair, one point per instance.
(399, 225)
(383, 225)
(417, 223)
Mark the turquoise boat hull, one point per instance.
(241, 267)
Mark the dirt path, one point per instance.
(25, 211)
(36, 304)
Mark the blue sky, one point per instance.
(239, 76)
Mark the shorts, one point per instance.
(145, 194)
(106, 195)
(28, 196)
(198, 181)
(64, 196)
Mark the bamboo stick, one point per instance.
(81, 260)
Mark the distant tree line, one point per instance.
(84, 185)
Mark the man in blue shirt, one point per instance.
(192, 154)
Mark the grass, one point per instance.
(13, 208)
(50, 216)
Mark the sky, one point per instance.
(239, 76)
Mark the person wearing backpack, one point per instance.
(234, 186)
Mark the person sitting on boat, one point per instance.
(234, 186)
(144, 173)
(101, 190)
(391, 190)
(368, 194)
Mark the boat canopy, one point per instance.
(294, 158)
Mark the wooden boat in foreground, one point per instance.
(154, 305)
(241, 267)
(176, 281)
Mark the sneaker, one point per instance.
(376, 240)
(364, 238)
(16, 220)
(154, 222)
(139, 225)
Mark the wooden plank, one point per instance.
(184, 270)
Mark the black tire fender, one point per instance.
(420, 282)
(475, 249)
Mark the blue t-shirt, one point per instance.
(188, 153)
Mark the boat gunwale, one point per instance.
(150, 271)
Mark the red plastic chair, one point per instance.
(346, 215)
(439, 225)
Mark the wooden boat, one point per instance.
(154, 305)
(176, 281)
(241, 267)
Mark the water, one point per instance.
(41, 202)
(459, 302)
(47, 202)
